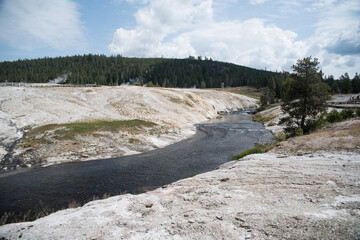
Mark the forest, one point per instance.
(344, 84)
(116, 70)
(164, 72)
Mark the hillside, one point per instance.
(78, 124)
(115, 70)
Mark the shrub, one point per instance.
(299, 132)
(280, 137)
(347, 113)
(271, 124)
(313, 124)
(262, 118)
(358, 112)
(261, 108)
(150, 84)
(334, 116)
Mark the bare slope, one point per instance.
(174, 111)
(278, 195)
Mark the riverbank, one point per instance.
(173, 112)
(43, 190)
(307, 193)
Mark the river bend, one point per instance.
(56, 186)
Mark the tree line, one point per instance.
(115, 70)
(344, 85)
(184, 73)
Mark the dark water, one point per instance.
(56, 186)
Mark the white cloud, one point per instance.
(255, 2)
(34, 23)
(157, 21)
(339, 25)
(163, 30)
(250, 43)
(337, 37)
(322, 3)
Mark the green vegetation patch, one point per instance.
(175, 100)
(259, 148)
(151, 84)
(335, 116)
(179, 101)
(134, 140)
(189, 104)
(191, 98)
(259, 118)
(68, 131)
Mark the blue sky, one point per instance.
(269, 34)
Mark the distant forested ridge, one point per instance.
(115, 70)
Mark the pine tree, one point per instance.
(356, 84)
(345, 83)
(305, 96)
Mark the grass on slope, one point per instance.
(259, 148)
(68, 131)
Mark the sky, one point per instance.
(263, 34)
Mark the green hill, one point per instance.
(115, 70)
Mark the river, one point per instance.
(54, 187)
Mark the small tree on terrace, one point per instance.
(305, 96)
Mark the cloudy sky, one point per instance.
(264, 34)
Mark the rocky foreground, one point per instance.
(297, 191)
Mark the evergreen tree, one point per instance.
(330, 81)
(88, 69)
(345, 84)
(355, 83)
(267, 97)
(305, 96)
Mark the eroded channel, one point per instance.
(54, 187)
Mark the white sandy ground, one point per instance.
(174, 110)
(265, 196)
(40, 106)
